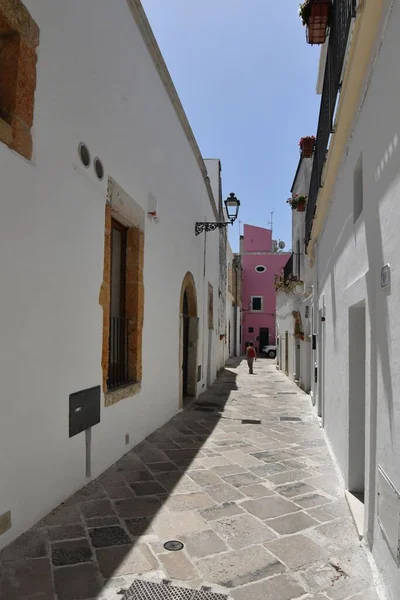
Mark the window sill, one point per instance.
(126, 391)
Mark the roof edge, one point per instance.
(149, 39)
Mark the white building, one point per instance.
(352, 234)
(233, 308)
(294, 297)
(106, 289)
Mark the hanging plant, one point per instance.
(307, 145)
(316, 17)
(301, 203)
(305, 12)
(298, 202)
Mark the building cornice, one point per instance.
(148, 37)
(366, 29)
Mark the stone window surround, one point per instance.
(18, 75)
(134, 307)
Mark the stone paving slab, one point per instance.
(253, 498)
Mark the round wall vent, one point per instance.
(84, 154)
(98, 167)
(260, 269)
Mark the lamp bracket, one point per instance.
(206, 226)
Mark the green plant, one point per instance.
(296, 200)
(282, 284)
(305, 11)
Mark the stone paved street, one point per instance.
(247, 486)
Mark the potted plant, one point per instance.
(301, 203)
(279, 282)
(315, 15)
(307, 145)
(297, 202)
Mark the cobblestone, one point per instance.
(254, 499)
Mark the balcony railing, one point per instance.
(342, 13)
(118, 353)
(288, 269)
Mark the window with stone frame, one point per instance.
(122, 299)
(19, 38)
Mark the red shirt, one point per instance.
(251, 353)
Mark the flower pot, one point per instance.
(318, 21)
(301, 207)
(307, 147)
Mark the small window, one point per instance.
(84, 154)
(98, 167)
(260, 269)
(256, 303)
(251, 329)
(358, 190)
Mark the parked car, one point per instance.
(270, 351)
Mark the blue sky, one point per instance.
(246, 79)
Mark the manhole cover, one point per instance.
(147, 590)
(173, 545)
(289, 419)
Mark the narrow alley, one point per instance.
(242, 478)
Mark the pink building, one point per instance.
(260, 263)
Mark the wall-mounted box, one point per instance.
(84, 410)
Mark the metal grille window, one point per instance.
(118, 338)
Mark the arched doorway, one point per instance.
(188, 340)
(185, 344)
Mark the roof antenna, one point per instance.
(271, 222)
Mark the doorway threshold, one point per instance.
(355, 501)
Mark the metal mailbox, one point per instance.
(84, 410)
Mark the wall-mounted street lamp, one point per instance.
(232, 209)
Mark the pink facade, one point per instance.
(259, 264)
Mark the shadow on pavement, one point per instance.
(100, 532)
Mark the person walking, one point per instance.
(251, 356)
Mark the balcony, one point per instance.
(342, 14)
(288, 269)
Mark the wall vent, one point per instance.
(84, 155)
(98, 167)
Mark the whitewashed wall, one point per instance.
(299, 300)
(350, 257)
(97, 84)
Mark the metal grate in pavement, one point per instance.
(147, 590)
(289, 419)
